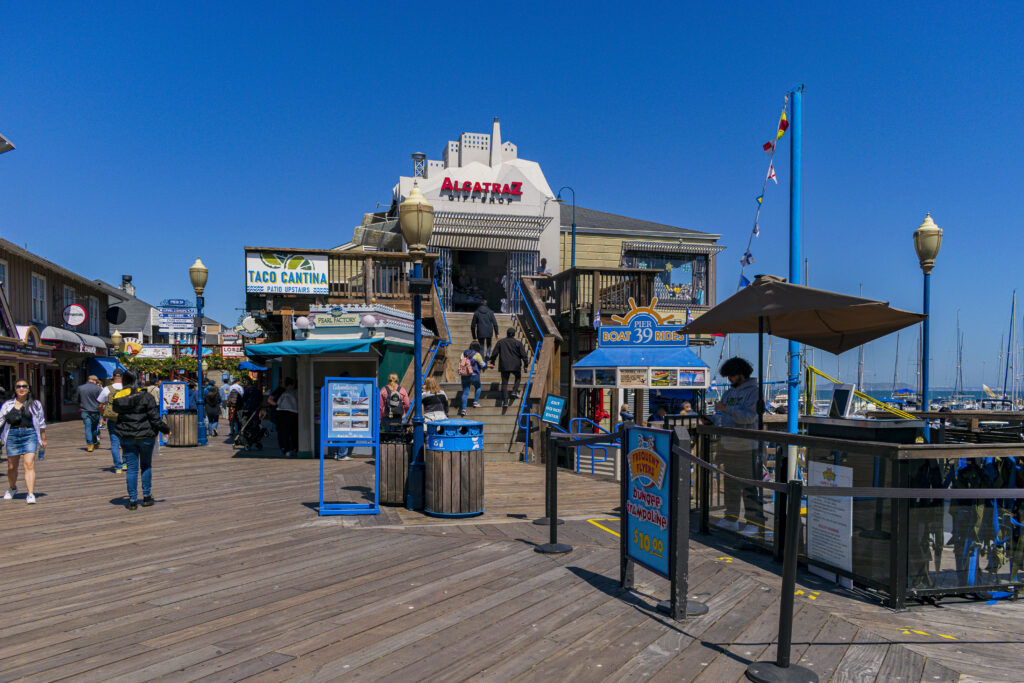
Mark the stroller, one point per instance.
(250, 436)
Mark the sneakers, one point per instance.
(476, 404)
(751, 530)
(11, 493)
(147, 501)
(462, 413)
(90, 448)
(342, 457)
(132, 505)
(729, 524)
(31, 499)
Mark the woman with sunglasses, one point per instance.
(24, 432)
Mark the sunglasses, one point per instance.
(21, 386)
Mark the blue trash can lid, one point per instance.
(457, 422)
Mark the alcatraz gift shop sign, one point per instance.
(271, 272)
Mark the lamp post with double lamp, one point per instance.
(198, 273)
(416, 218)
(927, 240)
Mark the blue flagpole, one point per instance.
(796, 142)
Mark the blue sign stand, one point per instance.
(348, 418)
(163, 412)
(554, 406)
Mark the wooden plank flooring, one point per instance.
(233, 576)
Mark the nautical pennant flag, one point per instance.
(769, 147)
(783, 125)
(744, 281)
(747, 258)
(771, 173)
(689, 316)
(597, 318)
(760, 199)
(757, 230)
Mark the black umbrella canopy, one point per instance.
(829, 321)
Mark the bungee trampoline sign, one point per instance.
(648, 498)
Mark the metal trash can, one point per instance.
(184, 428)
(454, 454)
(395, 449)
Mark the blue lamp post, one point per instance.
(572, 258)
(927, 240)
(416, 218)
(198, 273)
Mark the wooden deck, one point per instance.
(233, 576)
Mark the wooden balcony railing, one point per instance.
(386, 273)
(606, 289)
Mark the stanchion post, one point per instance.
(544, 440)
(625, 564)
(781, 669)
(678, 606)
(705, 485)
(552, 547)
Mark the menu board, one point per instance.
(173, 396)
(632, 377)
(348, 409)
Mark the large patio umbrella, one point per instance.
(829, 321)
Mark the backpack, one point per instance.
(232, 399)
(108, 408)
(465, 365)
(394, 403)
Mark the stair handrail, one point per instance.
(574, 429)
(439, 344)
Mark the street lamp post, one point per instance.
(198, 273)
(927, 240)
(416, 218)
(572, 253)
(572, 294)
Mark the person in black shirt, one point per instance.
(435, 401)
(512, 358)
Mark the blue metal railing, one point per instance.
(440, 345)
(533, 364)
(574, 428)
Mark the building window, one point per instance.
(3, 277)
(681, 279)
(38, 299)
(69, 297)
(94, 315)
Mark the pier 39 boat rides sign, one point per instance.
(277, 272)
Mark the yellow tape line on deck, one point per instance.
(602, 526)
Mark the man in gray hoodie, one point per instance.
(740, 457)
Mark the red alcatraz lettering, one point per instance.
(511, 189)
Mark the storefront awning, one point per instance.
(641, 357)
(104, 367)
(59, 334)
(309, 347)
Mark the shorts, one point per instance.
(22, 441)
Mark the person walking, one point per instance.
(110, 419)
(484, 327)
(470, 366)
(24, 432)
(211, 406)
(288, 419)
(138, 421)
(512, 358)
(435, 401)
(739, 457)
(90, 411)
(394, 404)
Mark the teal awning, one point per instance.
(640, 357)
(309, 347)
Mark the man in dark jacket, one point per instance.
(484, 327)
(138, 421)
(512, 357)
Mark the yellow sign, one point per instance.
(647, 466)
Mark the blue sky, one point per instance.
(148, 135)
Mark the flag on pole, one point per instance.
(744, 281)
(757, 230)
(747, 258)
(783, 125)
(597, 318)
(771, 173)
(760, 199)
(769, 147)
(689, 316)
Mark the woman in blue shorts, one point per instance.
(24, 432)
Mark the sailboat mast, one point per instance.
(860, 357)
(1009, 346)
(896, 364)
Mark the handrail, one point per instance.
(526, 457)
(811, 370)
(444, 316)
(440, 344)
(529, 309)
(522, 403)
(593, 446)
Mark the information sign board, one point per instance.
(830, 518)
(349, 416)
(156, 351)
(173, 396)
(554, 406)
(648, 509)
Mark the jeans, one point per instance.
(504, 382)
(91, 420)
(138, 452)
(744, 463)
(467, 382)
(115, 444)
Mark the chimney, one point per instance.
(126, 285)
(495, 143)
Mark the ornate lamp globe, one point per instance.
(416, 218)
(198, 273)
(927, 240)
